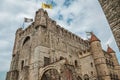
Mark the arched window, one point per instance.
(106, 61)
(37, 27)
(91, 72)
(84, 52)
(88, 50)
(76, 63)
(86, 77)
(80, 53)
(91, 64)
(13, 55)
(112, 64)
(61, 57)
(26, 40)
(117, 77)
(22, 64)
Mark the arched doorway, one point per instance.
(26, 50)
(51, 74)
(86, 77)
(79, 78)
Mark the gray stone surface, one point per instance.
(111, 9)
(45, 50)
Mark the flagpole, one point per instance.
(23, 25)
(88, 34)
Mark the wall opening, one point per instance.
(91, 64)
(22, 64)
(86, 77)
(79, 78)
(61, 58)
(26, 40)
(76, 63)
(46, 61)
(51, 74)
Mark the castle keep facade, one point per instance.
(111, 9)
(46, 51)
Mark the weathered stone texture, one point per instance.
(46, 51)
(111, 9)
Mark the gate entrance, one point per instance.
(51, 74)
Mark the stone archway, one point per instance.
(86, 77)
(79, 78)
(55, 67)
(51, 74)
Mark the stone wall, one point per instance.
(111, 9)
(44, 38)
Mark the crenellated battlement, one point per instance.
(42, 19)
(44, 43)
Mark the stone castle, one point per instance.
(111, 9)
(46, 51)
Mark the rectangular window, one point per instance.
(46, 61)
(22, 64)
(91, 64)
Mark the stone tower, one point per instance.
(111, 9)
(99, 58)
(112, 52)
(115, 61)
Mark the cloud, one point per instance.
(67, 3)
(60, 17)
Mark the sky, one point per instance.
(77, 16)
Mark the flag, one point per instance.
(88, 33)
(28, 20)
(49, 6)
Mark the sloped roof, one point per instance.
(110, 50)
(93, 38)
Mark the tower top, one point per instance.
(110, 50)
(93, 38)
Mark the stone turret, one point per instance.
(112, 52)
(93, 38)
(41, 18)
(99, 58)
